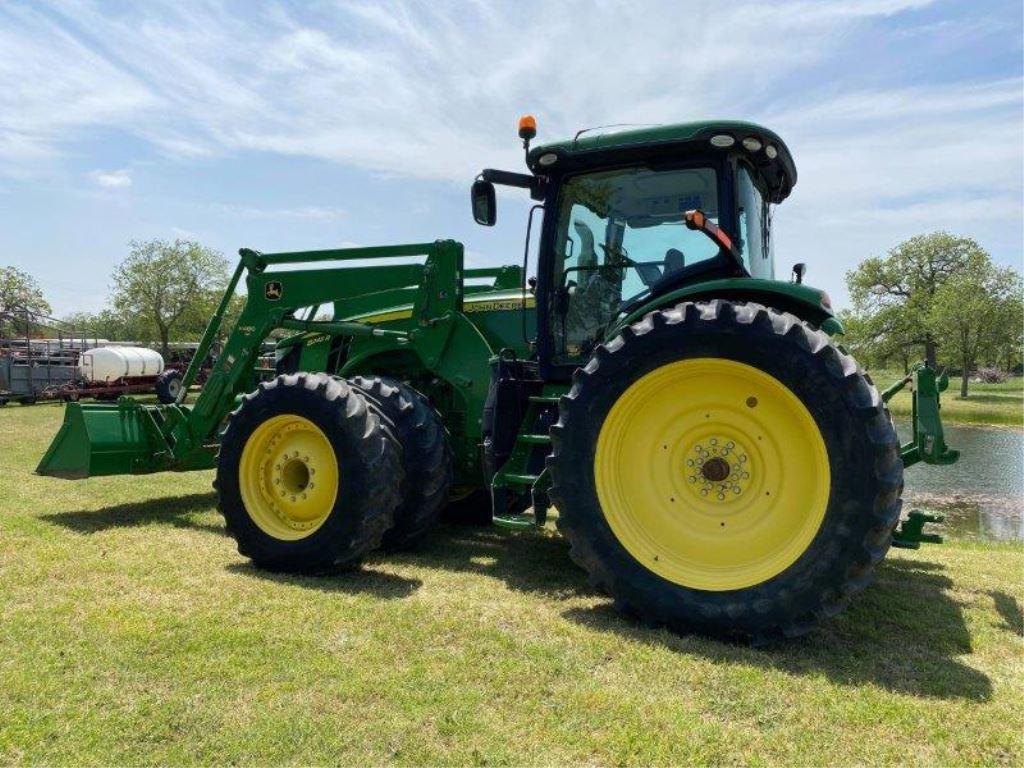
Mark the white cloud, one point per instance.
(53, 85)
(304, 213)
(416, 89)
(185, 234)
(876, 167)
(112, 179)
(431, 90)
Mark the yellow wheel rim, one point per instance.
(288, 477)
(712, 474)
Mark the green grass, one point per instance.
(993, 404)
(132, 632)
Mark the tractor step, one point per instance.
(544, 399)
(520, 479)
(535, 439)
(515, 522)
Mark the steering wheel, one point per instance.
(620, 255)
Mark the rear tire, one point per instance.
(426, 456)
(767, 554)
(308, 476)
(168, 386)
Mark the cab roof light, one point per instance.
(752, 144)
(723, 140)
(527, 127)
(527, 130)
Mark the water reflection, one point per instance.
(982, 495)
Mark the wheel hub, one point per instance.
(715, 470)
(718, 469)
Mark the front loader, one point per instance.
(717, 460)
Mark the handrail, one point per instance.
(342, 254)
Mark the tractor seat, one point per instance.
(674, 260)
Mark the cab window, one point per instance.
(618, 234)
(754, 224)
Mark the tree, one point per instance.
(107, 324)
(194, 322)
(894, 294)
(160, 283)
(879, 338)
(978, 312)
(1008, 351)
(18, 291)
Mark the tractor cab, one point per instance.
(616, 234)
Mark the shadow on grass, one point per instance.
(904, 633)
(1010, 612)
(528, 561)
(364, 581)
(175, 511)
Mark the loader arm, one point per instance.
(130, 437)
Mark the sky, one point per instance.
(318, 124)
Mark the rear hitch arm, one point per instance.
(910, 533)
(928, 443)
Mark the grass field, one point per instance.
(132, 632)
(997, 404)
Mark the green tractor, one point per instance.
(718, 462)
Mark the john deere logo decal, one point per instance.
(272, 290)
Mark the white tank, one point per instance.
(106, 364)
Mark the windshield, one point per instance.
(620, 233)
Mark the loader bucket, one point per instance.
(101, 439)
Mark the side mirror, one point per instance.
(485, 210)
(798, 272)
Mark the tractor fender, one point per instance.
(809, 304)
(454, 351)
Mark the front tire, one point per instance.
(307, 475)
(725, 468)
(426, 456)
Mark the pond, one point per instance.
(982, 495)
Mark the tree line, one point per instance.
(164, 291)
(940, 298)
